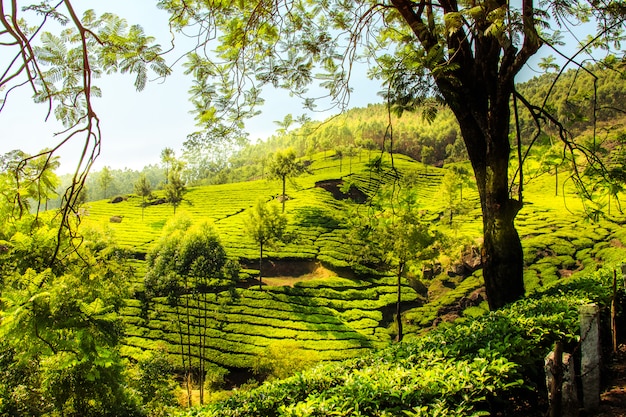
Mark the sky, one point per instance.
(137, 126)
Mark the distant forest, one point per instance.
(431, 135)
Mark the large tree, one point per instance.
(464, 53)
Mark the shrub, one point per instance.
(151, 377)
(282, 359)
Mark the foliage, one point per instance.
(168, 159)
(60, 70)
(282, 359)
(400, 237)
(152, 378)
(60, 325)
(186, 265)
(174, 188)
(266, 226)
(466, 368)
(339, 316)
(143, 188)
(25, 180)
(464, 55)
(105, 179)
(283, 166)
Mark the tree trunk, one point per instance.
(260, 267)
(485, 132)
(189, 357)
(556, 180)
(203, 337)
(399, 303)
(477, 81)
(182, 344)
(284, 195)
(502, 255)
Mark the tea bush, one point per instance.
(463, 368)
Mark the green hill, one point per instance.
(314, 293)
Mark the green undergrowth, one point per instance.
(466, 368)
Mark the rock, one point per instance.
(456, 270)
(157, 202)
(471, 258)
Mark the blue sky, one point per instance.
(137, 126)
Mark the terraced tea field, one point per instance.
(311, 296)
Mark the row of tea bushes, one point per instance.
(475, 366)
(338, 318)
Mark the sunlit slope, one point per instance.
(337, 315)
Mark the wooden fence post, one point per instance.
(561, 382)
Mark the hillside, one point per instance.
(316, 300)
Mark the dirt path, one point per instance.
(613, 399)
(289, 280)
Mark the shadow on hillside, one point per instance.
(315, 217)
(279, 279)
(334, 187)
(303, 301)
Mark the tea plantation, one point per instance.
(312, 294)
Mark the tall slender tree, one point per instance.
(168, 158)
(105, 180)
(175, 188)
(404, 238)
(186, 265)
(143, 188)
(266, 226)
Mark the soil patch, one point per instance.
(272, 268)
(334, 187)
(312, 271)
(613, 399)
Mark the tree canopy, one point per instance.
(284, 165)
